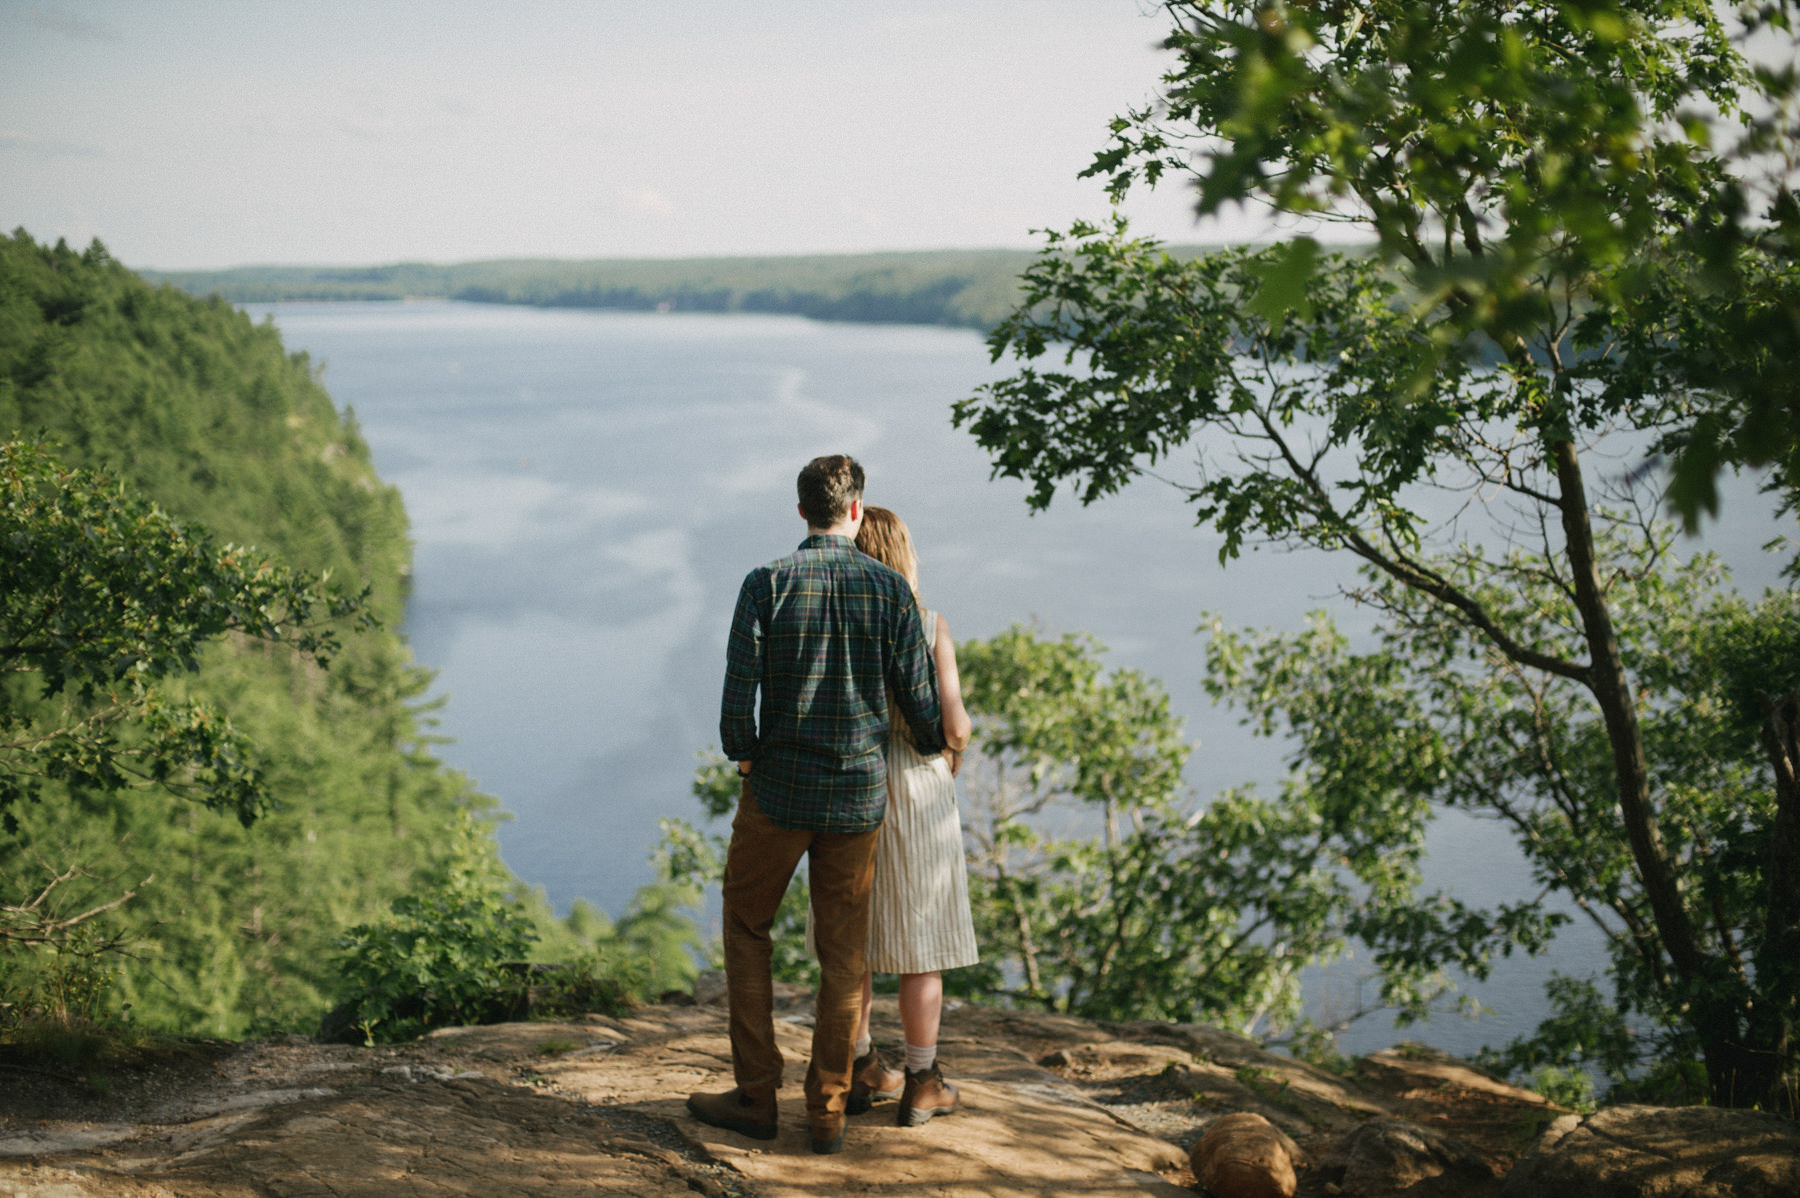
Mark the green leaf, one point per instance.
(1285, 276)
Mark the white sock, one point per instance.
(920, 1058)
(863, 1045)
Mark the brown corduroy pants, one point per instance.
(758, 866)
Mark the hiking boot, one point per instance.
(828, 1138)
(871, 1081)
(736, 1111)
(926, 1094)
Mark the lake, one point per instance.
(587, 490)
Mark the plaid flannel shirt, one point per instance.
(825, 633)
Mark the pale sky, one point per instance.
(211, 133)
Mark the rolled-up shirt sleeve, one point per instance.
(743, 670)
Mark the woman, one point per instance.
(919, 922)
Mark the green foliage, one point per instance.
(646, 954)
(467, 946)
(1368, 761)
(1317, 1045)
(579, 933)
(1589, 1034)
(439, 957)
(659, 936)
(199, 408)
(1565, 255)
(1053, 733)
(1153, 349)
(131, 633)
(1507, 160)
(1449, 720)
(1571, 1088)
(1166, 911)
(460, 950)
(65, 983)
(202, 413)
(1209, 913)
(1047, 707)
(1585, 1031)
(717, 783)
(104, 596)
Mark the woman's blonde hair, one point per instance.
(884, 537)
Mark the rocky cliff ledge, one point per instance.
(1051, 1106)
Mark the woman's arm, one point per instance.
(956, 717)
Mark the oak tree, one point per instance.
(1568, 235)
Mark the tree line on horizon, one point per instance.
(966, 289)
(955, 288)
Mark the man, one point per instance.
(826, 634)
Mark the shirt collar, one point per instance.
(836, 541)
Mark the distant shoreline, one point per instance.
(955, 288)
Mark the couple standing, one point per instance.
(861, 718)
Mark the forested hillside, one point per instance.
(198, 408)
(971, 288)
(964, 288)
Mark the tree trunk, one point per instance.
(1775, 1018)
(1705, 994)
(1034, 985)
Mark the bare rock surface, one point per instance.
(1051, 1106)
(1385, 1156)
(1658, 1152)
(1245, 1156)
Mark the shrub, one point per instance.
(440, 958)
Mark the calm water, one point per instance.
(587, 490)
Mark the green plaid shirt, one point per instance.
(825, 632)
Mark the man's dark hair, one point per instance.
(828, 486)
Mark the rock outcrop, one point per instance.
(1052, 1105)
(1658, 1152)
(1395, 1155)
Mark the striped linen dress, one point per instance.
(919, 910)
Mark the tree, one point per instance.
(1531, 753)
(1559, 180)
(1185, 912)
(1539, 191)
(103, 598)
(1052, 734)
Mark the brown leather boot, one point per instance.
(828, 1136)
(736, 1111)
(871, 1081)
(927, 1094)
